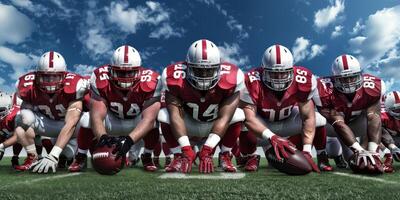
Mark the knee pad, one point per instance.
(25, 119)
(163, 116)
(319, 120)
(238, 116)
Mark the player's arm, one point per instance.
(344, 132)
(374, 126)
(175, 110)
(256, 126)
(387, 139)
(149, 115)
(50, 161)
(225, 114)
(307, 114)
(71, 120)
(98, 112)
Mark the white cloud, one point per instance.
(232, 23)
(378, 45)
(84, 70)
(19, 62)
(302, 49)
(15, 27)
(380, 35)
(166, 31)
(328, 15)
(337, 32)
(36, 9)
(148, 52)
(357, 28)
(233, 54)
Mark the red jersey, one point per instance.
(328, 97)
(55, 106)
(7, 123)
(390, 122)
(202, 105)
(268, 105)
(129, 105)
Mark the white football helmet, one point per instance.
(125, 67)
(277, 63)
(347, 74)
(203, 64)
(50, 72)
(392, 104)
(5, 104)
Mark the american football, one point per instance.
(295, 164)
(105, 162)
(204, 99)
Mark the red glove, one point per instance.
(311, 162)
(206, 160)
(188, 156)
(280, 146)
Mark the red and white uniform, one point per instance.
(49, 111)
(327, 97)
(124, 110)
(201, 107)
(390, 122)
(7, 123)
(281, 115)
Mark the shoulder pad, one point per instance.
(253, 83)
(75, 84)
(305, 86)
(25, 86)
(228, 77)
(170, 70)
(324, 86)
(375, 90)
(148, 80)
(100, 77)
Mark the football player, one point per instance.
(8, 111)
(52, 104)
(391, 128)
(277, 103)
(351, 103)
(202, 94)
(125, 100)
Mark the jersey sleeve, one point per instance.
(250, 92)
(313, 88)
(75, 86)
(322, 93)
(149, 83)
(240, 85)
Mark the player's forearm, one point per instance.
(387, 139)
(255, 125)
(65, 135)
(308, 130)
(344, 133)
(374, 129)
(147, 122)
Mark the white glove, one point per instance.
(50, 161)
(364, 156)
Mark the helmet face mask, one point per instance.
(50, 82)
(349, 83)
(203, 77)
(50, 72)
(125, 77)
(278, 80)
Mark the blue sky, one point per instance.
(86, 33)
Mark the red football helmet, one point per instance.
(50, 72)
(125, 67)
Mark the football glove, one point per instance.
(187, 159)
(106, 140)
(311, 162)
(44, 164)
(206, 160)
(281, 146)
(123, 145)
(395, 152)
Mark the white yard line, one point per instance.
(40, 179)
(215, 177)
(366, 178)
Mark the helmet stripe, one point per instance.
(126, 51)
(344, 61)
(278, 54)
(51, 56)
(396, 97)
(204, 48)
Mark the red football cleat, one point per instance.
(148, 163)
(29, 161)
(323, 162)
(79, 164)
(225, 160)
(388, 163)
(252, 163)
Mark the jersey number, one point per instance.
(118, 109)
(283, 113)
(211, 112)
(47, 111)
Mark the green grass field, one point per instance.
(134, 183)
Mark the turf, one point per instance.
(134, 183)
